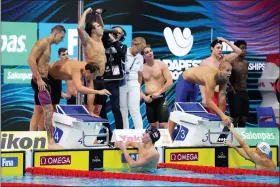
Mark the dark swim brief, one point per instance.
(56, 88)
(42, 98)
(157, 110)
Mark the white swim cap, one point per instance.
(264, 147)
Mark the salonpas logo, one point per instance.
(17, 76)
(13, 43)
(259, 136)
(252, 136)
(17, 40)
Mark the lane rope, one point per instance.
(138, 176)
(219, 170)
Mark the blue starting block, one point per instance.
(197, 127)
(75, 128)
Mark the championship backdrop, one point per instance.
(23, 22)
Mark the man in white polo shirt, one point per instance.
(130, 91)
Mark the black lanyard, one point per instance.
(132, 64)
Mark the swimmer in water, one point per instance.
(260, 157)
(148, 154)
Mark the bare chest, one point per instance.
(45, 57)
(212, 63)
(154, 73)
(95, 52)
(240, 67)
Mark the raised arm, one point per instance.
(252, 155)
(239, 151)
(81, 32)
(99, 19)
(222, 97)
(132, 144)
(235, 51)
(36, 52)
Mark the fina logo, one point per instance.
(178, 43)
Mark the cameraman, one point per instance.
(114, 72)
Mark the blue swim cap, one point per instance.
(154, 134)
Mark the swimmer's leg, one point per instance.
(35, 119)
(41, 126)
(46, 102)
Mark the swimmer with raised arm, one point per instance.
(260, 157)
(148, 154)
(214, 61)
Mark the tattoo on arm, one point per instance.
(83, 36)
(48, 114)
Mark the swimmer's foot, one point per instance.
(53, 145)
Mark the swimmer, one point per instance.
(74, 70)
(210, 78)
(38, 62)
(157, 79)
(91, 39)
(237, 95)
(94, 51)
(214, 61)
(148, 154)
(70, 96)
(260, 157)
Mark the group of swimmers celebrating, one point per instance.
(213, 74)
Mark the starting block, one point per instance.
(197, 126)
(75, 128)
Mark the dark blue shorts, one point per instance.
(185, 91)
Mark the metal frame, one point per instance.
(97, 135)
(84, 135)
(209, 139)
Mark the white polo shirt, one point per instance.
(133, 64)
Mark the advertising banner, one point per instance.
(12, 163)
(114, 159)
(17, 40)
(17, 76)
(194, 156)
(63, 159)
(95, 159)
(71, 38)
(252, 136)
(135, 135)
(23, 140)
(236, 161)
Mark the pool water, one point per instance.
(82, 181)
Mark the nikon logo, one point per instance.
(17, 141)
